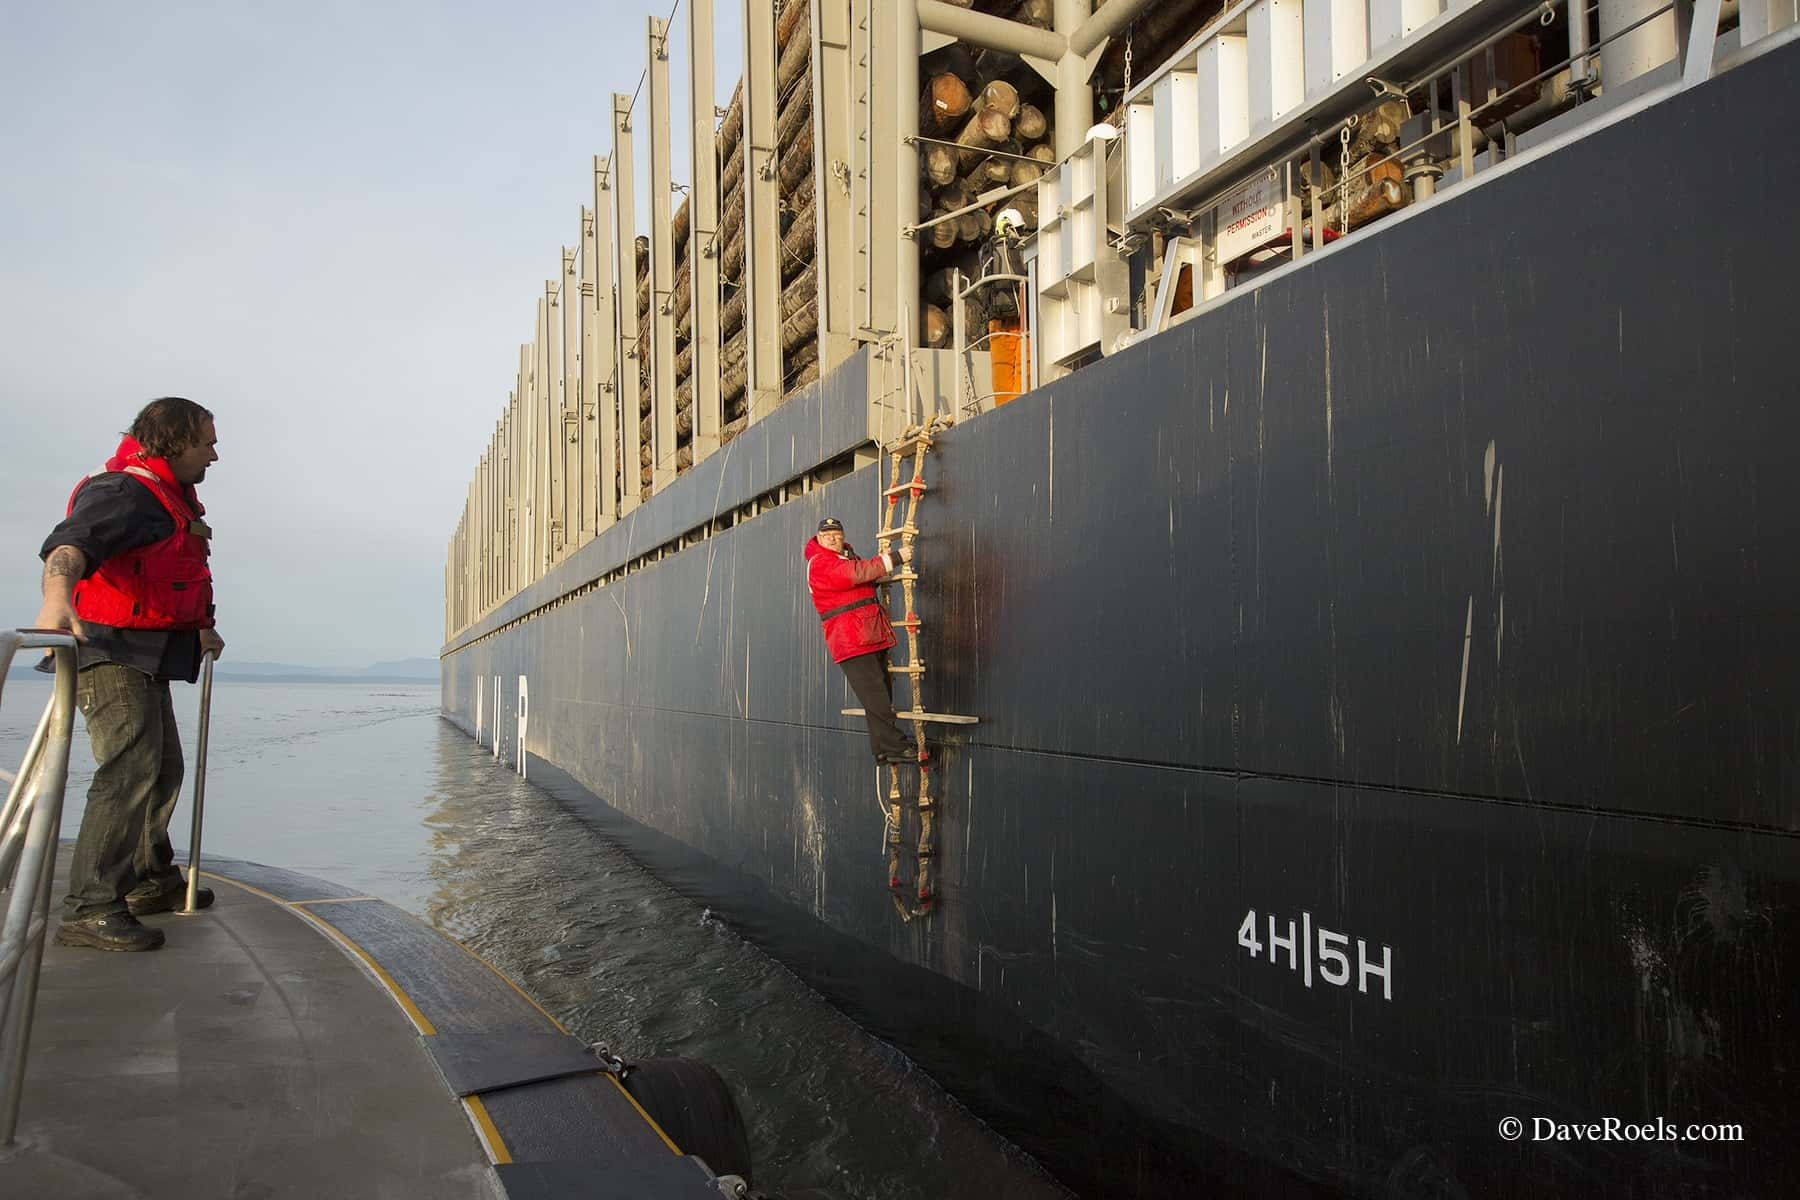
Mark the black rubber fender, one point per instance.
(694, 1106)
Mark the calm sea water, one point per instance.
(367, 786)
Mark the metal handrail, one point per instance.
(961, 287)
(29, 822)
(28, 828)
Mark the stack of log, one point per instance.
(799, 311)
(996, 112)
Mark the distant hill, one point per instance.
(400, 670)
(422, 669)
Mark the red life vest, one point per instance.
(843, 591)
(166, 584)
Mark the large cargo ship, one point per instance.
(1355, 538)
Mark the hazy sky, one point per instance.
(327, 222)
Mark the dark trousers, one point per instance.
(869, 679)
(124, 841)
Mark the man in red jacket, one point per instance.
(857, 632)
(126, 572)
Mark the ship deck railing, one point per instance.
(967, 399)
(29, 821)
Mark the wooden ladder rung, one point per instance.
(888, 533)
(921, 715)
(914, 669)
(903, 488)
(900, 577)
(910, 441)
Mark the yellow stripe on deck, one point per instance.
(419, 1020)
(648, 1119)
(490, 1133)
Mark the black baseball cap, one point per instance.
(831, 523)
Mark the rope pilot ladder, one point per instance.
(916, 441)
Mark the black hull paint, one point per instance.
(1442, 593)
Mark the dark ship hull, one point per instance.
(1439, 598)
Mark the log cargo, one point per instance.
(985, 130)
(946, 101)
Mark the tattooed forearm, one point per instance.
(65, 562)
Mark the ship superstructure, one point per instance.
(1359, 538)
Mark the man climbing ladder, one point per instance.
(918, 442)
(859, 631)
(856, 628)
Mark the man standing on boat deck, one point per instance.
(857, 632)
(126, 573)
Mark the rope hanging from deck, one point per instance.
(917, 440)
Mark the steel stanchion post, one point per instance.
(193, 878)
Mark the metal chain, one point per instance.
(1344, 177)
(1130, 32)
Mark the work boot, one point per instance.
(108, 931)
(146, 903)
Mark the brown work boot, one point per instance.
(108, 931)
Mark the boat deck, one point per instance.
(297, 1039)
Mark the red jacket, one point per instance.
(166, 584)
(842, 588)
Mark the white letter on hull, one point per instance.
(524, 719)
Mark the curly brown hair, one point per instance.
(168, 425)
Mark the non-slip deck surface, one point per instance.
(253, 1057)
(250, 1057)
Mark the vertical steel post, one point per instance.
(509, 482)
(835, 131)
(1575, 16)
(1465, 131)
(904, 162)
(631, 346)
(607, 362)
(496, 533)
(551, 358)
(1074, 98)
(544, 405)
(762, 221)
(662, 259)
(906, 375)
(202, 736)
(574, 514)
(959, 343)
(476, 535)
(590, 379)
(485, 532)
(527, 471)
(502, 503)
(704, 250)
(1290, 201)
